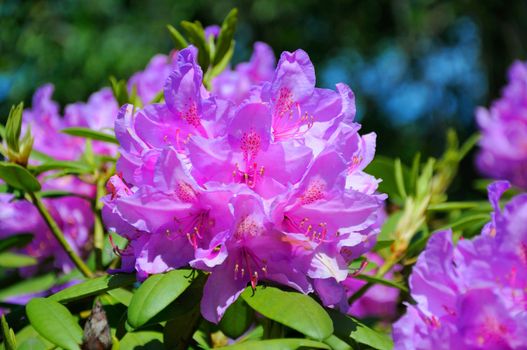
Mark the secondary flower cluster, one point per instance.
(73, 214)
(259, 180)
(473, 295)
(503, 142)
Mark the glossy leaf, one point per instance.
(62, 165)
(28, 339)
(121, 295)
(90, 134)
(399, 177)
(14, 260)
(196, 35)
(179, 41)
(93, 286)
(155, 294)
(452, 206)
(17, 241)
(120, 92)
(29, 286)
(278, 344)
(384, 282)
(8, 335)
(237, 319)
(14, 127)
(226, 35)
(295, 310)
(351, 330)
(18, 177)
(144, 340)
(54, 322)
(336, 343)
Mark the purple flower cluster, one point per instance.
(473, 295)
(379, 301)
(73, 214)
(259, 180)
(503, 143)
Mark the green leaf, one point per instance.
(468, 145)
(61, 165)
(120, 92)
(399, 177)
(226, 35)
(389, 226)
(452, 206)
(467, 221)
(158, 98)
(414, 172)
(384, 282)
(382, 244)
(221, 65)
(60, 194)
(29, 286)
(14, 260)
(28, 339)
(144, 340)
(336, 343)
(93, 286)
(278, 344)
(8, 335)
(237, 319)
(35, 344)
(196, 35)
(14, 127)
(91, 134)
(155, 294)
(295, 310)
(18, 177)
(17, 241)
(121, 295)
(54, 322)
(383, 168)
(179, 41)
(352, 330)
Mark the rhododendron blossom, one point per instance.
(503, 141)
(262, 185)
(72, 213)
(472, 295)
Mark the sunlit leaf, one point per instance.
(155, 294)
(18, 177)
(90, 134)
(93, 286)
(15, 260)
(54, 322)
(278, 344)
(352, 330)
(297, 311)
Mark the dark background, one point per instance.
(417, 67)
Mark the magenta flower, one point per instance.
(235, 85)
(45, 122)
(72, 214)
(471, 296)
(268, 186)
(150, 82)
(503, 142)
(379, 301)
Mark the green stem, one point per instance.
(98, 241)
(98, 228)
(56, 231)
